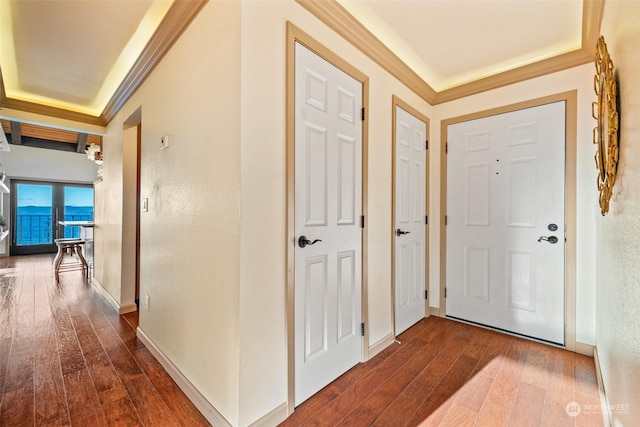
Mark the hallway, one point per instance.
(67, 358)
(446, 373)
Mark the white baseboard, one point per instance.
(273, 418)
(381, 345)
(128, 308)
(200, 402)
(106, 294)
(585, 349)
(435, 311)
(121, 309)
(603, 396)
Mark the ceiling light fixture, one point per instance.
(94, 153)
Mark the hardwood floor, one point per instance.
(446, 373)
(67, 358)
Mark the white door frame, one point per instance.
(397, 102)
(571, 100)
(295, 34)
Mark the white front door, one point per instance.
(410, 218)
(505, 229)
(328, 206)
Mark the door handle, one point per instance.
(303, 241)
(550, 239)
(400, 232)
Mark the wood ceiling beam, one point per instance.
(28, 141)
(82, 142)
(16, 134)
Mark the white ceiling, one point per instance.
(451, 42)
(73, 54)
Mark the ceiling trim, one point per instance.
(45, 110)
(175, 22)
(336, 17)
(341, 21)
(346, 25)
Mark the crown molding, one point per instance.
(592, 12)
(176, 21)
(526, 72)
(346, 25)
(45, 110)
(331, 13)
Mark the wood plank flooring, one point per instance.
(446, 373)
(68, 359)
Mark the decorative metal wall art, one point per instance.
(605, 134)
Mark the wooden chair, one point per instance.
(69, 247)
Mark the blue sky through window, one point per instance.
(34, 195)
(41, 195)
(78, 196)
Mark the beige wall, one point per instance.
(190, 235)
(213, 251)
(107, 233)
(580, 78)
(263, 209)
(618, 234)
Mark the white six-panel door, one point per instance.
(410, 210)
(328, 206)
(505, 198)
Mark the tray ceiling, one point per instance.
(82, 60)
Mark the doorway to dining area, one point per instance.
(37, 207)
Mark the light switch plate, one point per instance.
(164, 142)
(145, 205)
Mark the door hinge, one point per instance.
(362, 329)
(426, 144)
(426, 219)
(426, 294)
(362, 113)
(361, 221)
(446, 148)
(445, 292)
(446, 220)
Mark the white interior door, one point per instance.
(328, 206)
(505, 207)
(410, 218)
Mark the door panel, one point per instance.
(328, 203)
(34, 218)
(410, 211)
(510, 170)
(36, 208)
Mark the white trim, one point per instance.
(586, 349)
(606, 416)
(200, 402)
(435, 311)
(121, 309)
(273, 418)
(106, 294)
(127, 308)
(383, 343)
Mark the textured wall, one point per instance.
(189, 242)
(263, 359)
(618, 234)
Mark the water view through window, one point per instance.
(36, 209)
